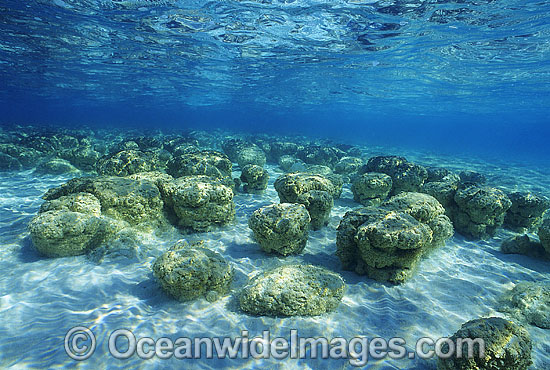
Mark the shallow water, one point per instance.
(41, 299)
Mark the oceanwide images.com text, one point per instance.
(80, 344)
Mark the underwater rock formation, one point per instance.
(188, 272)
(71, 225)
(481, 210)
(8, 163)
(281, 228)
(128, 162)
(544, 234)
(437, 173)
(319, 154)
(444, 190)
(28, 157)
(406, 176)
(206, 162)
(526, 211)
(387, 242)
(528, 302)
(316, 192)
(293, 290)
(255, 178)
(371, 188)
(507, 346)
(135, 201)
(522, 244)
(244, 152)
(286, 162)
(348, 165)
(82, 157)
(198, 202)
(56, 166)
(469, 178)
(281, 148)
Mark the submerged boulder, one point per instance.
(316, 192)
(188, 272)
(444, 190)
(387, 242)
(544, 234)
(348, 165)
(255, 178)
(128, 162)
(481, 210)
(8, 163)
(198, 202)
(526, 211)
(507, 346)
(207, 162)
(56, 166)
(371, 188)
(293, 290)
(406, 176)
(62, 233)
(135, 201)
(320, 154)
(522, 244)
(281, 228)
(528, 302)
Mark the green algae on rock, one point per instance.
(406, 176)
(544, 234)
(128, 162)
(526, 211)
(293, 290)
(507, 346)
(190, 271)
(281, 228)
(198, 202)
(387, 242)
(255, 178)
(207, 162)
(371, 188)
(528, 302)
(481, 210)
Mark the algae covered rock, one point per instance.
(544, 234)
(481, 210)
(528, 302)
(251, 155)
(188, 272)
(387, 242)
(371, 188)
(131, 200)
(207, 162)
(8, 163)
(507, 346)
(320, 154)
(444, 191)
(469, 178)
(62, 233)
(348, 165)
(406, 176)
(287, 161)
(127, 162)
(198, 202)
(77, 202)
(28, 157)
(526, 210)
(293, 290)
(255, 178)
(316, 192)
(281, 228)
(56, 166)
(522, 244)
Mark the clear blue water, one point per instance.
(464, 84)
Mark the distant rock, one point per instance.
(528, 302)
(406, 176)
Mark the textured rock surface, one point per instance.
(56, 166)
(61, 233)
(316, 192)
(207, 162)
(127, 162)
(526, 211)
(481, 210)
(544, 234)
(255, 178)
(293, 290)
(132, 200)
(348, 165)
(528, 302)
(386, 243)
(371, 188)
(406, 176)
(188, 272)
(199, 202)
(507, 346)
(522, 244)
(281, 228)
